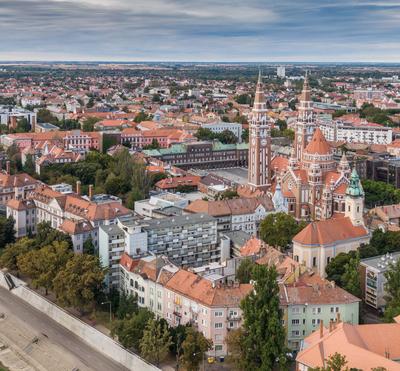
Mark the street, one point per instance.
(48, 345)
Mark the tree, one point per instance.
(243, 99)
(336, 362)
(380, 193)
(243, 273)
(130, 330)
(23, 126)
(392, 288)
(44, 115)
(155, 342)
(351, 276)
(45, 235)
(234, 341)
(88, 246)
(142, 116)
(278, 229)
(7, 232)
(282, 124)
(9, 256)
(227, 137)
(44, 264)
(29, 166)
(78, 283)
(127, 306)
(205, 134)
(88, 123)
(335, 270)
(264, 341)
(194, 348)
(245, 135)
(154, 145)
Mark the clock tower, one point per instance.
(259, 175)
(305, 125)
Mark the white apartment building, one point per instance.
(219, 127)
(188, 240)
(336, 131)
(281, 71)
(10, 115)
(373, 278)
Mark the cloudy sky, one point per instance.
(200, 30)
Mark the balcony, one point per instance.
(232, 317)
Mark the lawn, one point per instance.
(3, 368)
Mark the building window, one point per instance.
(314, 262)
(218, 314)
(316, 310)
(218, 325)
(218, 348)
(295, 322)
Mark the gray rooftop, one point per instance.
(111, 229)
(177, 221)
(238, 238)
(382, 262)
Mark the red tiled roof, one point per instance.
(318, 144)
(329, 231)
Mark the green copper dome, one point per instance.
(355, 188)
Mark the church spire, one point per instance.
(259, 99)
(306, 92)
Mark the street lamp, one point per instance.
(108, 302)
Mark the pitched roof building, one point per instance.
(364, 346)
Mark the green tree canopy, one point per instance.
(88, 123)
(155, 342)
(278, 229)
(264, 340)
(194, 348)
(9, 256)
(130, 330)
(336, 362)
(380, 193)
(351, 276)
(45, 235)
(43, 265)
(392, 288)
(127, 306)
(7, 232)
(79, 282)
(244, 271)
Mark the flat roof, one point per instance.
(180, 220)
(382, 262)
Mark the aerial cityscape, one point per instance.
(199, 186)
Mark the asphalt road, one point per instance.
(26, 319)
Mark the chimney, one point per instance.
(8, 165)
(338, 320)
(330, 326)
(78, 187)
(321, 329)
(90, 191)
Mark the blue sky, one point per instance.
(201, 30)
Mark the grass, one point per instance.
(3, 368)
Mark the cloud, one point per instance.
(259, 30)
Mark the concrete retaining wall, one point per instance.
(96, 339)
